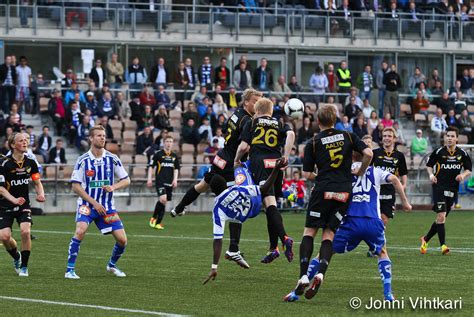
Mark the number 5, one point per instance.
(336, 159)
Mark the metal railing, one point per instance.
(265, 22)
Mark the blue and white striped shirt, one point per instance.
(93, 173)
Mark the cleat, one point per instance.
(291, 297)
(288, 247)
(424, 245)
(370, 254)
(175, 213)
(303, 282)
(444, 249)
(71, 275)
(23, 272)
(313, 290)
(17, 264)
(270, 256)
(389, 297)
(159, 226)
(115, 270)
(238, 258)
(152, 222)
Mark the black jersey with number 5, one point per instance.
(265, 135)
(447, 165)
(165, 164)
(331, 153)
(15, 177)
(233, 132)
(392, 162)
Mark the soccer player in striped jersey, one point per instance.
(93, 181)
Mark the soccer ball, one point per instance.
(294, 108)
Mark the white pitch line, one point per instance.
(390, 247)
(41, 301)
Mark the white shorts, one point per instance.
(219, 219)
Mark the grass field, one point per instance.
(165, 270)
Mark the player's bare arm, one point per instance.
(77, 188)
(461, 177)
(149, 181)
(367, 155)
(432, 176)
(39, 190)
(290, 141)
(121, 184)
(400, 190)
(16, 201)
(243, 148)
(175, 178)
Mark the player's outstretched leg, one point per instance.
(325, 254)
(274, 217)
(233, 253)
(191, 195)
(11, 247)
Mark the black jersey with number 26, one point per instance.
(447, 165)
(331, 152)
(392, 162)
(165, 164)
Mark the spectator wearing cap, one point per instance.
(419, 145)
(92, 104)
(98, 74)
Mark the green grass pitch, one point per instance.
(166, 268)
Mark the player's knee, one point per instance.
(80, 233)
(5, 237)
(122, 241)
(163, 201)
(441, 218)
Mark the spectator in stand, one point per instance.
(345, 21)
(147, 98)
(465, 124)
(191, 77)
(70, 93)
(114, 70)
(14, 123)
(352, 109)
(222, 74)
(332, 79)
(308, 113)
(263, 76)
(74, 11)
(306, 132)
(329, 5)
(365, 83)
(294, 190)
(344, 124)
(242, 76)
(145, 144)
(190, 133)
(67, 81)
(392, 83)
(160, 139)
(433, 79)
(358, 101)
(419, 145)
(200, 95)
(344, 76)
(445, 103)
(82, 138)
(359, 128)
(465, 80)
(295, 87)
(377, 134)
(233, 99)
(373, 122)
(206, 73)
(459, 103)
(136, 76)
(415, 79)
(23, 84)
(39, 88)
(57, 111)
(162, 99)
(470, 95)
(437, 89)
(454, 90)
(399, 134)
(57, 154)
(451, 119)
(438, 127)
(159, 74)
(73, 119)
(109, 133)
(219, 136)
(161, 120)
(243, 58)
(387, 120)
(91, 87)
(208, 157)
(181, 82)
(191, 113)
(381, 86)
(98, 74)
(281, 89)
(294, 159)
(367, 109)
(15, 115)
(203, 106)
(146, 119)
(122, 106)
(319, 82)
(108, 107)
(219, 107)
(415, 18)
(92, 104)
(249, 6)
(221, 122)
(419, 104)
(33, 144)
(44, 144)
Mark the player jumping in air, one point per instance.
(166, 165)
(16, 170)
(237, 204)
(445, 167)
(263, 138)
(93, 180)
(331, 152)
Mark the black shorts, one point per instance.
(227, 173)
(260, 174)
(387, 206)
(20, 214)
(443, 199)
(164, 190)
(326, 209)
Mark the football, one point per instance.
(294, 108)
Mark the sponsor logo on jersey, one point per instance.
(108, 172)
(99, 184)
(267, 122)
(90, 173)
(391, 170)
(239, 179)
(219, 162)
(342, 196)
(234, 118)
(19, 182)
(459, 157)
(451, 166)
(98, 162)
(361, 198)
(332, 138)
(167, 164)
(315, 214)
(448, 193)
(28, 169)
(84, 210)
(111, 218)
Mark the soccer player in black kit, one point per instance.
(262, 138)
(165, 163)
(445, 168)
(223, 165)
(331, 153)
(16, 170)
